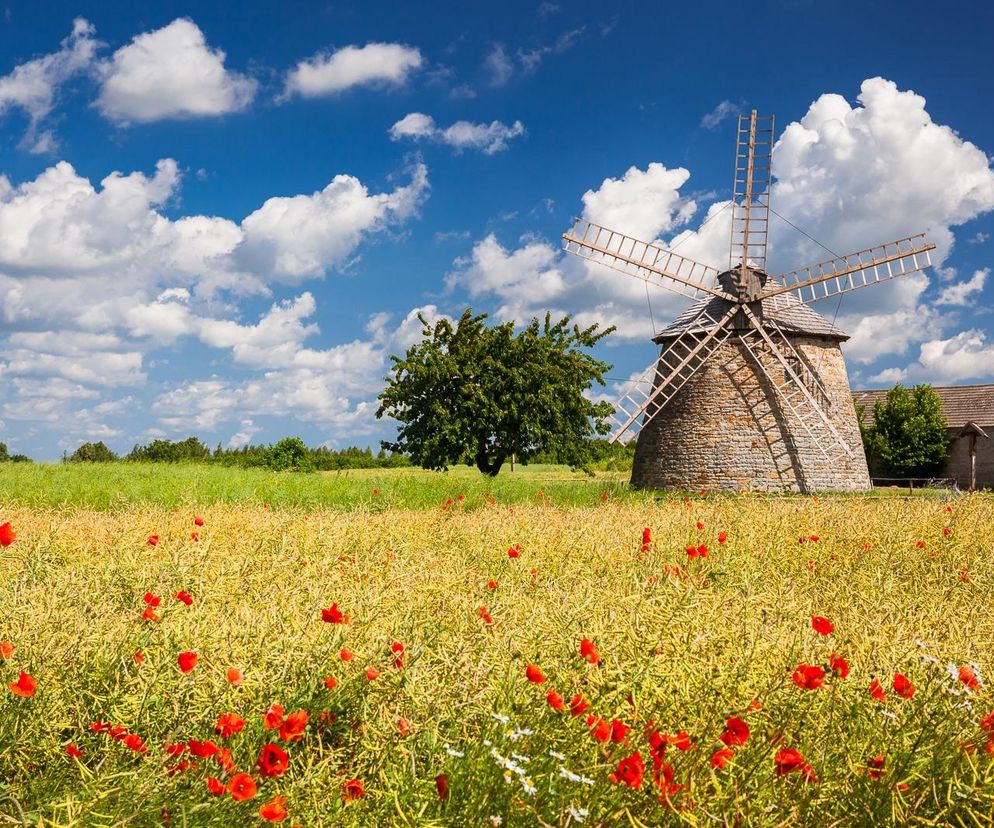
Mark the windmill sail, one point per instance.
(751, 191)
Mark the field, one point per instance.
(708, 695)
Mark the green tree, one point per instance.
(4, 457)
(92, 453)
(907, 437)
(290, 454)
(483, 393)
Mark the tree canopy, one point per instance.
(472, 392)
(907, 437)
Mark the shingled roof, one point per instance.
(960, 403)
(790, 314)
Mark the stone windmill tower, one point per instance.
(750, 389)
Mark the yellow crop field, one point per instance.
(748, 661)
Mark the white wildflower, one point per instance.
(890, 714)
(578, 814)
(566, 773)
(558, 756)
(921, 644)
(459, 754)
(520, 758)
(500, 717)
(496, 821)
(528, 787)
(514, 735)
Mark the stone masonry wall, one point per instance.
(726, 429)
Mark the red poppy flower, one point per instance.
(630, 771)
(352, 790)
(875, 767)
(646, 539)
(274, 810)
(839, 665)
(225, 760)
(405, 727)
(877, 691)
(736, 732)
(699, 525)
(292, 728)
(442, 786)
(203, 750)
(722, 537)
(556, 701)
(920, 544)
(215, 786)
(150, 615)
(345, 654)
(702, 551)
(7, 535)
(808, 677)
(234, 676)
(372, 674)
(721, 757)
(333, 615)
(175, 749)
(514, 551)
(73, 751)
(681, 741)
(968, 676)
(821, 625)
(195, 537)
(228, 725)
(273, 717)
(242, 787)
(273, 760)
(787, 761)
(184, 596)
(589, 651)
(903, 686)
(492, 584)
(398, 649)
(487, 618)
(6, 650)
(199, 521)
(534, 674)
(152, 599)
(691, 552)
(25, 686)
(135, 742)
(376, 492)
(139, 657)
(619, 730)
(153, 540)
(578, 705)
(99, 727)
(187, 660)
(329, 682)
(987, 723)
(599, 729)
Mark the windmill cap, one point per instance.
(790, 314)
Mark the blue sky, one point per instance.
(222, 220)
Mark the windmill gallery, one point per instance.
(750, 388)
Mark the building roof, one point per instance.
(960, 403)
(791, 315)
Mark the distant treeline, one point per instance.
(289, 454)
(292, 454)
(12, 458)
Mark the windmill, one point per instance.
(750, 388)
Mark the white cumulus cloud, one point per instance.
(33, 85)
(171, 73)
(462, 135)
(388, 64)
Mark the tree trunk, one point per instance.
(490, 466)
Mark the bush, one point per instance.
(93, 453)
(908, 436)
(290, 454)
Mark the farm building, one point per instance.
(969, 411)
